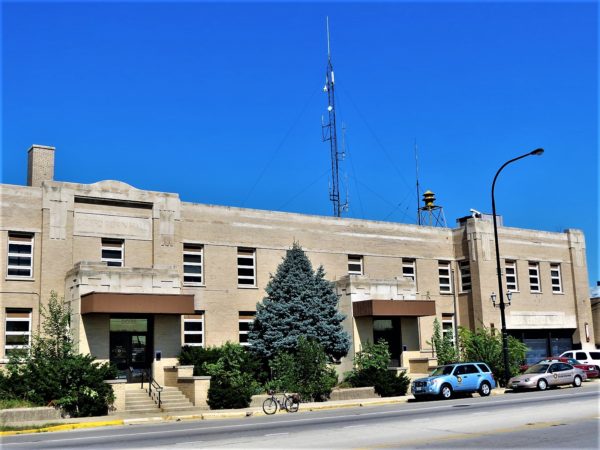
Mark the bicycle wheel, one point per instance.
(270, 406)
(291, 405)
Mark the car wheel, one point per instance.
(577, 381)
(542, 385)
(485, 389)
(446, 392)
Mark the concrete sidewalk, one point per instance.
(200, 414)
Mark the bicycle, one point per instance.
(291, 403)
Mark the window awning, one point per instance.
(379, 308)
(114, 302)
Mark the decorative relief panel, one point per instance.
(102, 225)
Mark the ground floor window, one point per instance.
(17, 335)
(245, 322)
(193, 330)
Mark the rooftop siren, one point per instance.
(431, 214)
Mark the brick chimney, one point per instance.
(40, 165)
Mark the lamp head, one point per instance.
(537, 152)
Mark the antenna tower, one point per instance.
(330, 134)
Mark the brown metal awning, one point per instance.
(375, 308)
(111, 302)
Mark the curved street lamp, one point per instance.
(536, 152)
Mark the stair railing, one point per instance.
(152, 385)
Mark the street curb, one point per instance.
(65, 427)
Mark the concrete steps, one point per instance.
(138, 401)
(173, 400)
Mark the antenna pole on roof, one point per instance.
(330, 134)
(417, 177)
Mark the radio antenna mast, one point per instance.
(329, 133)
(417, 177)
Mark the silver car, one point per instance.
(544, 375)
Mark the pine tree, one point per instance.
(299, 302)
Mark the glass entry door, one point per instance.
(130, 348)
(389, 329)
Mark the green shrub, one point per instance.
(232, 384)
(484, 345)
(371, 369)
(197, 356)
(373, 356)
(305, 371)
(52, 373)
(442, 345)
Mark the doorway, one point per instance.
(131, 346)
(389, 329)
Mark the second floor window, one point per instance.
(510, 269)
(246, 263)
(193, 257)
(409, 269)
(534, 277)
(465, 275)
(20, 255)
(112, 252)
(555, 278)
(355, 265)
(444, 277)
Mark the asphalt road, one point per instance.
(561, 418)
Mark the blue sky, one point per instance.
(222, 103)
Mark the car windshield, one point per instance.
(538, 368)
(444, 370)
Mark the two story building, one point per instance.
(145, 273)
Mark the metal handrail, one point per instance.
(152, 383)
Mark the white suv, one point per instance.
(584, 357)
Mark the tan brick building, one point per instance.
(145, 272)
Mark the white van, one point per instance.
(584, 356)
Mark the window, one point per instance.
(448, 328)
(534, 277)
(444, 277)
(409, 269)
(192, 263)
(245, 324)
(510, 269)
(193, 330)
(555, 278)
(18, 330)
(112, 252)
(355, 264)
(465, 275)
(246, 259)
(20, 255)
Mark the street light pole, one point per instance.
(536, 152)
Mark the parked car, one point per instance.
(455, 378)
(590, 370)
(547, 374)
(584, 356)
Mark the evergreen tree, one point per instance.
(299, 302)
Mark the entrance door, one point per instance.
(389, 329)
(130, 348)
